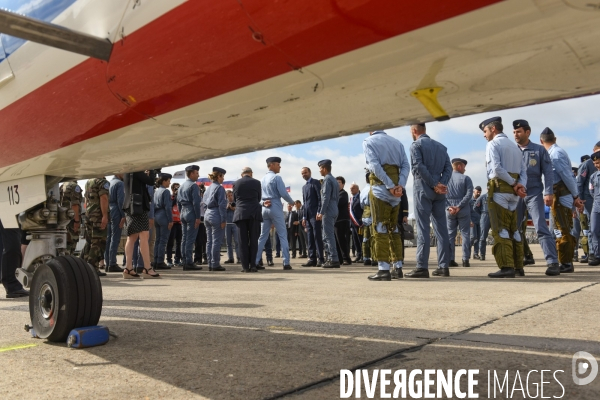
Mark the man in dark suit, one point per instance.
(248, 217)
(291, 224)
(356, 213)
(342, 224)
(311, 195)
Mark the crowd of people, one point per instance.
(186, 225)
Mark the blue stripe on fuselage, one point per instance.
(45, 10)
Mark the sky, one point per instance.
(576, 123)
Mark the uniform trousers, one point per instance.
(462, 222)
(248, 232)
(475, 236)
(430, 210)
(329, 237)
(314, 239)
(189, 233)
(292, 239)
(485, 231)
(595, 233)
(11, 258)
(113, 238)
(174, 239)
(200, 249)
(508, 243)
(357, 239)
(233, 240)
(536, 209)
(214, 240)
(563, 219)
(274, 216)
(161, 227)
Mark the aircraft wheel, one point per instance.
(65, 294)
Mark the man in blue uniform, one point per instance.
(539, 193)
(458, 211)
(586, 169)
(273, 189)
(188, 202)
(431, 169)
(566, 197)
(116, 215)
(387, 161)
(594, 188)
(311, 196)
(329, 212)
(484, 223)
(507, 179)
(475, 222)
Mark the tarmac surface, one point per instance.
(287, 334)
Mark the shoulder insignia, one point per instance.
(106, 185)
(77, 189)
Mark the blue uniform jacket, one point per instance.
(188, 198)
(330, 196)
(482, 204)
(594, 190)
(215, 200)
(430, 164)
(116, 197)
(163, 204)
(460, 192)
(538, 163)
(586, 169)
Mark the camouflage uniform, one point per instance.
(70, 194)
(95, 237)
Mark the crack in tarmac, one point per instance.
(329, 380)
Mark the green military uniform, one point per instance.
(95, 237)
(71, 194)
(585, 226)
(367, 232)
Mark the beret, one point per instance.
(520, 123)
(461, 160)
(489, 121)
(192, 168)
(596, 156)
(221, 170)
(585, 158)
(165, 177)
(273, 159)
(324, 162)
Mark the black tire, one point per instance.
(65, 294)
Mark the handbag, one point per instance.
(135, 204)
(408, 231)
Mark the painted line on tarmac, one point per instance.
(17, 347)
(528, 352)
(278, 330)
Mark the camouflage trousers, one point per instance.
(585, 226)
(95, 245)
(72, 238)
(387, 244)
(508, 252)
(367, 244)
(563, 219)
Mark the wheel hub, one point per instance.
(46, 301)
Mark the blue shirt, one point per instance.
(116, 197)
(330, 196)
(215, 200)
(188, 198)
(594, 189)
(273, 189)
(503, 157)
(430, 161)
(586, 169)
(364, 201)
(460, 191)
(381, 149)
(538, 163)
(563, 173)
(163, 203)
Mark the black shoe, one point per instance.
(528, 261)
(100, 273)
(347, 262)
(466, 263)
(374, 263)
(253, 269)
(310, 264)
(593, 261)
(504, 272)
(476, 257)
(331, 264)
(245, 270)
(277, 256)
(566, 268)
(418, 273)
(520, 271)
(397, 273)
(114, 268)
(584, 260)
(260, 267)
(293, 256)
(381, 275)
(238, 262)
(161, 266)
(358, 259)
(482, 258)
(260, 262)
(453, 263)
(17, 294)
(302, 256)
(367, 262)
(553, 269)
(320, 264)
(441, 272)
(575, 259)
(191, 267)
(270, 263)
(287, 267)
(230, 261)
(217, 268)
